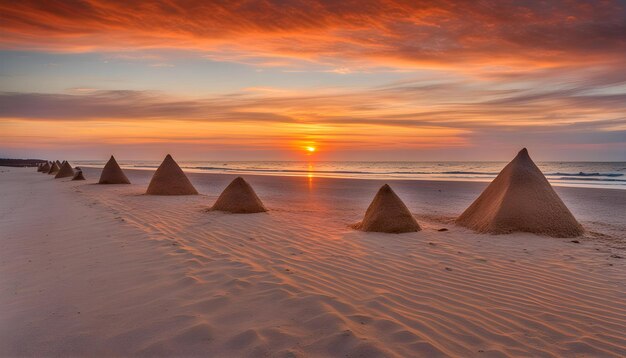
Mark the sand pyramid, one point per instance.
(169, 179)
(387, 213)
(39, 166)
(46, 168)
(113, 174)
(78, 175)
(240, 198)
(54, 168)
(65, 171)
(520, 198)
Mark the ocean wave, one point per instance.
(557, 175)
(583, 174)
(272, 170)
(593, 174)
(278, 170)
(594, 179)
(143, 166)
(467, 173)
(362, 172)
(275, 170)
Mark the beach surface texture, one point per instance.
(105, 270)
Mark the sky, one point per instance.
(356, 80)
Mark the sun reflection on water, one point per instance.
(310, 175)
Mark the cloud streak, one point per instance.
(388, 33)
(407, 115)
(402, 106)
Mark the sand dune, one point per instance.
(54, 168)
(239, 198)
(45, 168)
(65, 171)
(112, 173)
(122, 273)
(520, 198)
(169, 179)
(387, 213)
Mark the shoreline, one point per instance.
(319, 175)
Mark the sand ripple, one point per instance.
(297, 281)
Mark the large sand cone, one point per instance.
(169, 179)
(54, 168)
(387, 213)
(113, 174)
(65, 171)
(239, 198)
(46, 168)
(78, 175)
(520, 198)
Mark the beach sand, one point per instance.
(103, 270)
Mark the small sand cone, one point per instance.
(45, 168)
(169, 179)
(65, 171)
(78, 175)
(387, 213)
(39, 167)
(239, 198)
(113, 174)
(521, 199)
(54, 168)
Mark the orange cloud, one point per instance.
(389, 33)
(401, 117)
(219, 136)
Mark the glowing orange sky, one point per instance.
(383, 80)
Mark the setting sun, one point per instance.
(310, 149)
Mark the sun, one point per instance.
(310, 149)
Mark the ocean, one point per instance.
(583, 174)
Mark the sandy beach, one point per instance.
(104, 270)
